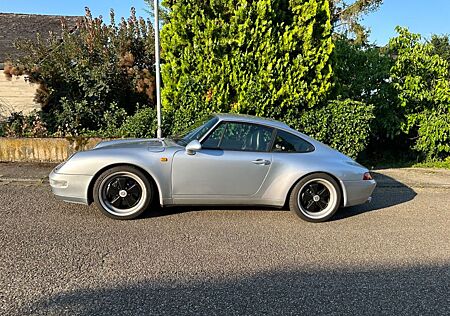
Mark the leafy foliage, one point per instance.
(265, 57)
(362, 73)
(441, 46)
(88, 71)
(19, 125)
(421, 80)
(270, 58)
(434, 133)
(444, 164)
(344, 125)
(141, 124)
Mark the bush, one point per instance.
(421, 78)
(434, 134)
(19, 125)
(343, 125)
(80, 74)
(140, 125)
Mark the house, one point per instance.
(16, 94)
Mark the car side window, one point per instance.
(239, 136)
(287, 142)
(213, 140)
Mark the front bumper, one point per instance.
(69, 187)
(358, 192)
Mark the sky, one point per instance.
(420, 16)
(425, 17)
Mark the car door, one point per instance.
(234, 161)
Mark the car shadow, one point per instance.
(158, 211)
(389, 192)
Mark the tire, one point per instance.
(123, 192)
(315, 198)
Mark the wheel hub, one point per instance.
(314, 197)
(123, 193)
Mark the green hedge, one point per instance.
(260, 57)
(343, 125)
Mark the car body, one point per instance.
(230, 159)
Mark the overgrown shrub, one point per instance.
(82, 72)
(20, 125)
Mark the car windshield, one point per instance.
(196, 131)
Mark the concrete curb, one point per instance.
(414, 186)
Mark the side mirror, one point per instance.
(193, 146)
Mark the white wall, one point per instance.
(16, 95)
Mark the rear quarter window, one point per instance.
(290, 143)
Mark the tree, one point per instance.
(441, 46)
(421, 79)
(362, 73)
(164, 12)
(90, 74)
(346, 17)
(264, 57)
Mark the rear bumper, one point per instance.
(358, 192)
(70, 188)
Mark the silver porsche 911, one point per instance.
(224, 160)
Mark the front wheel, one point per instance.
(315, 198)
(122, 192)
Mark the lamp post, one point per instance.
(158, 70)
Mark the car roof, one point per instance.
(252, 119)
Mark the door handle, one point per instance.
(263, 162)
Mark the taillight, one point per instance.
(367, 176)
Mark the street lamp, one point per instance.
(158, 70)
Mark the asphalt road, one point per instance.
(389, 257)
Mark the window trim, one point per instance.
(290, 152)
(272, 139)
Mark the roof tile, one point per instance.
(25, 26)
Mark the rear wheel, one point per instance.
(315, 198)
(123, 192)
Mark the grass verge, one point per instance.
(399, 163)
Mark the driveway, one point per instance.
(388, 257)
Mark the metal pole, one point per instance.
(158, 70)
